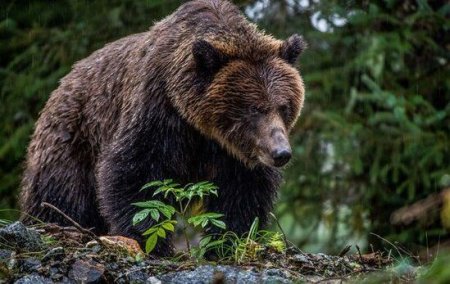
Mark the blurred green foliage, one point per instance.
(374, 134)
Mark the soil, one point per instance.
(48, 253)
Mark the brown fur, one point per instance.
(200, 96)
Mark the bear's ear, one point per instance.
(292, 48)
(207, 57)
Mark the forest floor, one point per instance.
(51, 254)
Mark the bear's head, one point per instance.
(250, 102)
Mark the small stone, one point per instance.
(87, 272)
(112, 266)
(274, 272)
(136, 276)
(301, 258)
(96, 248)
(21, 238)
(12, 263)
(54, 270)
(57, 276)
(292, 250)
(130, 246)
(5, 255)
(66, 280)
(153, 280)
(322, 256)
(29, 265)
(33, 279)
(55, 254)
(274, 276)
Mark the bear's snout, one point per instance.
(281, 156)
(280, 150)
(274, 149)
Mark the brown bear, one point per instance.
(201, 96)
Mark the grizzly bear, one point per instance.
(203, 95)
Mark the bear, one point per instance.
(203, 95)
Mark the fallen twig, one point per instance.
(74, 223)
(360, 257)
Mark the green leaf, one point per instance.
(140, 216)
(212, 215)
(167, 211)
(151, 243)
(161, 233)
(204, 241)
(219, 223)
(151, 184)
(150, 231)
(155, 214)
(149, 204)
(168, 226)
(196, 220)
(215, 243)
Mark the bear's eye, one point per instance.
(284, 111)
(254, 110)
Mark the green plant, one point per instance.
(437, 271)
(250, 246)
(184, 197)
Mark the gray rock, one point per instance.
(87, 272)
(96, 249)
(153, 280)
(29, 265)
(66, 280)
(301, 258)
(275, 276)
(21, 238)
(225, 274)
(112, 266)
(136, 276)
(5, 255)
(33, 279)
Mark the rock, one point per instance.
(33, 279)
(301, 258)
(275, 276)
(5, 255)
(129, 246)
(227, 274)
(87, 271)
(29, 265)
(55, 254)
(21, 238)
(136, 276)
(293, 250)
(153, 280)
(12, 263)
(322, 256)
(112, 266)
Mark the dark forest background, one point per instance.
(371, 149)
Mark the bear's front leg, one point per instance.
(124, 168)
(244, 194)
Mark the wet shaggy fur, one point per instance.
(190, 100)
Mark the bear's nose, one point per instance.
(281, 156)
